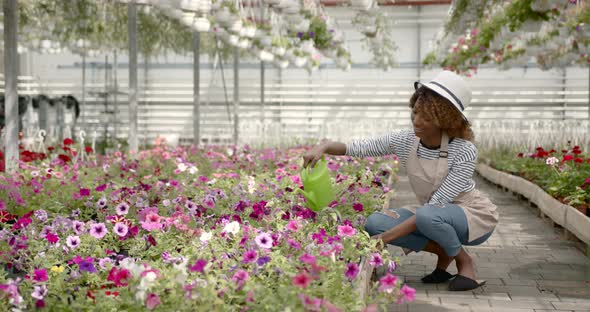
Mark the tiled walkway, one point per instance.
(527, 264)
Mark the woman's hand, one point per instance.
(381, 242)
(311, 157)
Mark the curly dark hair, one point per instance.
(442, 113)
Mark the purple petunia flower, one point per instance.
(98, 230)
(263, 260)
(311, 34)
(122, 208)
(41, 215)
(87, 266)
(199, 266)
(263, 240)
(376, 260)
(120, 229)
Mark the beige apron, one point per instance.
(426, 176)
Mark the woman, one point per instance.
(440, 161)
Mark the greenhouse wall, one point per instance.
(297, 104)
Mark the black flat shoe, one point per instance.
(437, 276)
(462, 283)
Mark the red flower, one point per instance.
(88, 149)
(552, 151)
(519, 155)
(567, 157)
(51, 148)
(539, 149)
(68, 141)
(564, 151)
(64, 158)
(579, 160)
(542, 154)
(577, 151)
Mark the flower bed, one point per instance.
(184, 228)
(564, 174)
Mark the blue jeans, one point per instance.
(447, 226)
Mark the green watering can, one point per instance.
(318, 186)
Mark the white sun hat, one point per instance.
(450, 86)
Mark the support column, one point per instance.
(83, 109)
(10, 87)
(132, 29)
(196, 89)
(115, 93)
(236, 94)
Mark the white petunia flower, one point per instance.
(205, 237)
(232, 227)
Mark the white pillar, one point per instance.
(10, 87)
(132, 30)
(196, 89)
(236, 94)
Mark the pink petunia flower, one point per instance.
(263, 240)
(294, 244)
(307, 258)
(387, 283)
(39, 292)
(352, 270)
(358, 207)
(302, 280)
(78, 227)
(240, 277)
(98, 230)
(199, 266)
(376, 260)
(409, 293)
(120, 229)
(152, 301)
(293, 225)
(249, 256)
(346, 231)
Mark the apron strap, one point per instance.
(441, 163)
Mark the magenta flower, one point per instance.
(84, 192)
(209, 202)
(73, 241)
(294, 244)
(98, 230)
(352, 270)
(263, 240)
(358, 207)
(293, 225)
(387, 283)
(307, 258)
(346, 231)
(199, 266)
(240, 277)
(302, 280)
(52, 238)
(376, 260)
(40, 275)
(409, 293)
(249, 256)
(122, 208)
(152, 301)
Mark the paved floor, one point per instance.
(527, 264)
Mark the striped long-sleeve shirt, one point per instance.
(462, 159)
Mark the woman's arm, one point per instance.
(401, 230)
